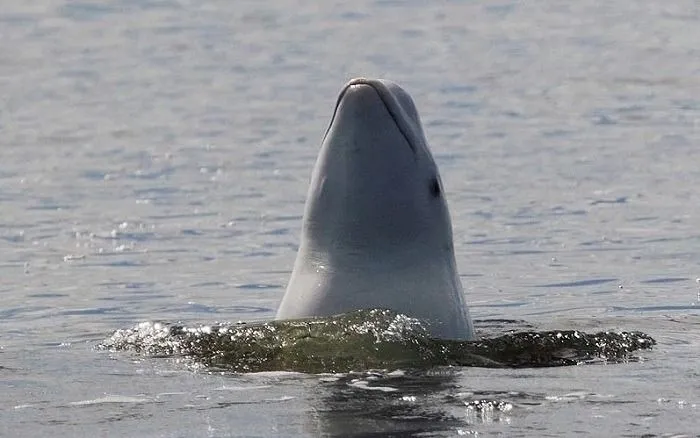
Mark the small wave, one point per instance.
(364, 340)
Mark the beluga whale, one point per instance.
(376, 231)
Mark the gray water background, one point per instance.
(154, 159)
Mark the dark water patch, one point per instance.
(118, 263)
(600, 118)
(620, 200)
(667, 239)
(47, 295)
(50, 205)
(367, 339)
(665, 280)
(526, 213)
(617, 249)
(686, 104)
(417, 411)
(564, 211)
(511, 114)
(557, 133)
(591, 282)
(209, 284)
(644, 219)
(17, 19)
(14, 238)
(21, 312)
(191, 232)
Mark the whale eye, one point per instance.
(435, 187)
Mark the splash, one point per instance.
(363, 340)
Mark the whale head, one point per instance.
(375, 184)
(376, 231)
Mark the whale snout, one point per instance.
(371, 103)
(359, 96)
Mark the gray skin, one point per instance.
(376, 231)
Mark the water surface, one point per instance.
(155, 158)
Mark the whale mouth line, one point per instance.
(392, 107)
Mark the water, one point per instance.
(155, 158)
